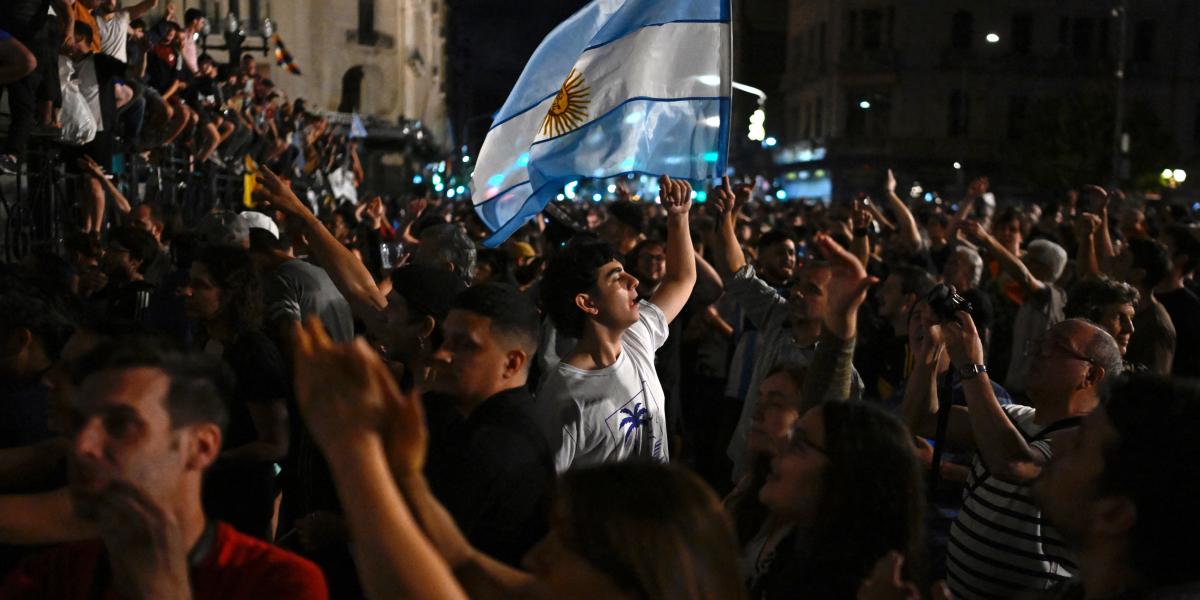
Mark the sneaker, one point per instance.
(8, 164)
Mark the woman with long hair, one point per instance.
(224, 295)
(850, 483)
(621, 531)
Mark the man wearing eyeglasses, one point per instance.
(999, 544)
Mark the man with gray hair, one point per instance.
(999, 544)
(1037, 273)
(964, 271)
(448, 246)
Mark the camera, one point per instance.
(945, 302)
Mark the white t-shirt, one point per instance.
(114, 32)
(614, 413)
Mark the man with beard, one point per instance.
(146, 425)
(788, 326)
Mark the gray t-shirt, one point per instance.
(609, 414)
(296, 289)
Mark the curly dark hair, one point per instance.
(1091, 295)
(232, 270)
(572, 272)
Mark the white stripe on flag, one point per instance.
(671, 61)
(505, 156)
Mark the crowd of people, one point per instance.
(649, 398)
(101, 83)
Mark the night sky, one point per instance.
(488, 44)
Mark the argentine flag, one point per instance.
(623, 86)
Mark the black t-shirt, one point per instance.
(204, 93)
(127, 301)
(492, 470)
(1184, 307)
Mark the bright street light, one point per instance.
(865, 104)
(1179, 175)
(957, 166)
(992, 38)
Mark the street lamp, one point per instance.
(1172, 178)
(993, 38)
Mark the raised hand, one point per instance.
(1086, 226)
(975, 232)
(276, 192)
(145, 542)
(860, 217)
(338, 391)
(978, 187)
(962, 340)
(1095, 199)
(416, 207)
(847, 289)
(925, 335)
(890, 184)
(676, 195)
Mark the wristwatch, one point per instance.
(971, 371)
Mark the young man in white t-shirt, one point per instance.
(603, 402)
(114, 25)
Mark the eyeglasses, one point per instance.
(798, 441)
(1039, 348)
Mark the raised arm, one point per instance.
(1005, 452)
(676, 286)
(1086, 228)
(1008, 262)
(920, 404)
(1097, 201)
(93, 169)
(139, 10)
(860, 246)
(729, 256)
(346, 396)
(829, 375)
(905, 221)
(348, 273)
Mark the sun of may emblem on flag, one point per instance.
(569, 108)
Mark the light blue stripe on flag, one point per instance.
(597, 23)
(650, 94)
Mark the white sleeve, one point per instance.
(651, 330)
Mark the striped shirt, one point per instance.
(999, 544)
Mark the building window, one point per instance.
(962, 31)
(1018, 110)
(1022, 34)
(351, 90)
(960, 113)
(872, 26)
(1082, 41)
(1143, 41)
(821, 43)
(366, 22)
(852, 30)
